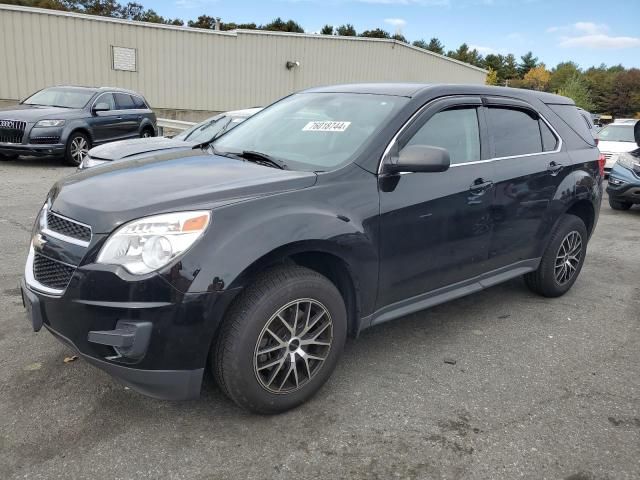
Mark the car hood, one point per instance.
(33, 113)
(128, 148)
(114, 194)
(616, 147)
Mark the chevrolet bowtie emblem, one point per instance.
(38, 241)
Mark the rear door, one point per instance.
(529, 168)
(435, 228)
(130, 116)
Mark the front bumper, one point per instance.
(624, 185)
(31, 149)
(172, 362)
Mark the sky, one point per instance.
(588, 32)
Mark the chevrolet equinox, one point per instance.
(332, 210)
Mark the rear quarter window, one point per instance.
(574, 119)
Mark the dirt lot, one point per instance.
(539, 389)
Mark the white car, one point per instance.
(614, 139)
(203, 132)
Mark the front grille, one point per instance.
(68, 227)
(44, 140)
(607, 155)
(11, 131)
(51, 273)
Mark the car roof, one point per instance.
(412, 90)
(98, 89)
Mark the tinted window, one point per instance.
(106, 98)
(124, 101)
(138, 102)
(515, 132)
(572, 117)
(455, 130)
(549, 140)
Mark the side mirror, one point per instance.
(101, 107)
(420, 158)
(636, 132)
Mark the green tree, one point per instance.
(562, 73)
(464, 54)
(377, 33)
(624, 98)
(528, 61)
(327, 30)
(279, 25)
(510, 68)
(203, 21)
(346, 30)
(495, 63)
(576, 88)
(399, 37)
(238, 26)
(599, 81)
(436, 46)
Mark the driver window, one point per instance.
(456, 130)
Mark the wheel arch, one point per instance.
(584, 210)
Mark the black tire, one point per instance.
(235, 356)
(147, 132)
(79, 140)
(544, 280)
(619, 205)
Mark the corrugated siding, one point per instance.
(189, 69)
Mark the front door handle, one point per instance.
(480, 186)
(554, 168)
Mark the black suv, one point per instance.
(70, 120)
(332, 210)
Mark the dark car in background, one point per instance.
(624, 178)
(69, 120)
(201, 133)
(331, 211)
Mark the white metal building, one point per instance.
(194, 69)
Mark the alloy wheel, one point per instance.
(568, 257)
(79, 149)
(146, 134)
(293, 346)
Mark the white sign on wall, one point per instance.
(123, 58)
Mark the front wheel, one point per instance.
(281, 340)
(562, 260)
(77, 148)
(619, 205)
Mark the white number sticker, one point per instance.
(326, 126)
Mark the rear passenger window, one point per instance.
(549, 140)
(515, 132)
(124, 101)
(455, 130)
(572, 117)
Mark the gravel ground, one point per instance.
(539, 389)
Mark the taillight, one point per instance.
(601, 161)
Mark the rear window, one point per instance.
(572, 117)
(138, 102)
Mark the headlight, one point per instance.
(150, 243)
(629, 161)
(50, 123)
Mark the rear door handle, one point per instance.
(480, 186)
(554, 168)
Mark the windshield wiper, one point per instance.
(262, 159)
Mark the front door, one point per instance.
(436, 227)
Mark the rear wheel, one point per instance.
(146, 133)
(78, 146)
(281, 340)
(619, 205)
(562, 260)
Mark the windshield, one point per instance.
(60, 97)
(313, 131)
(617, 133)
(205, 131)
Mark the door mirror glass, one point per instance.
(101, 107)
(421, 158)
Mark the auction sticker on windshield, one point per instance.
(326, 126)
